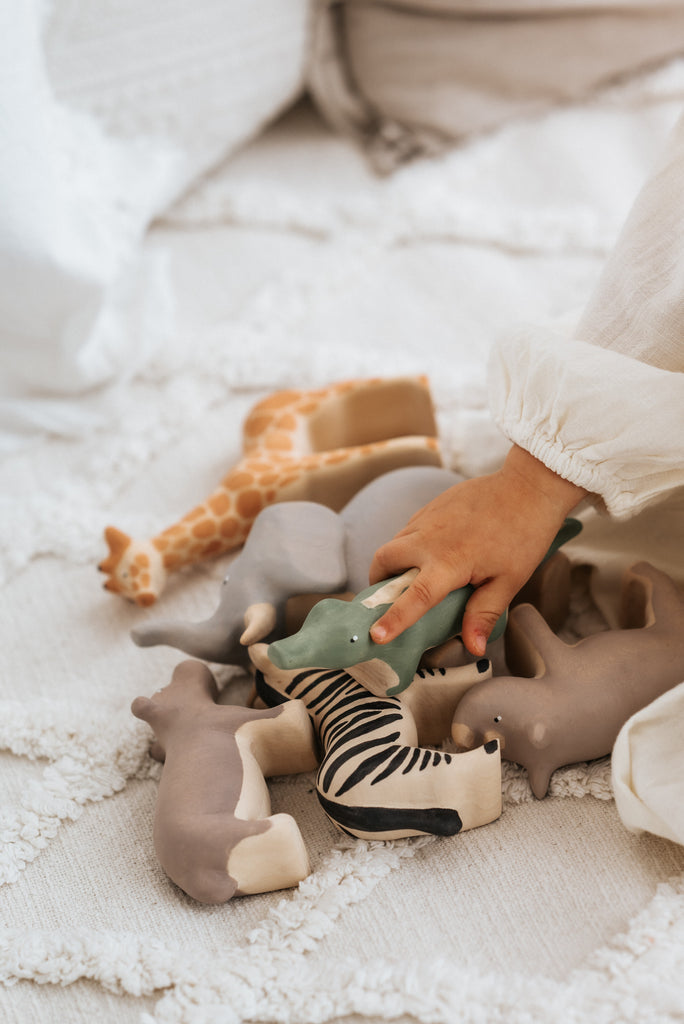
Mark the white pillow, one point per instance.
(108, 112)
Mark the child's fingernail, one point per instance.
(479, 644)
(378, 633)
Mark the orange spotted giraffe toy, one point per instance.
(320, 445)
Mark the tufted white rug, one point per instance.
(291, 265)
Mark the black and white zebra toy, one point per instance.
(376, 780)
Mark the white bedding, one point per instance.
(292, 265)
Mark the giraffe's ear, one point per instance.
(118, 542)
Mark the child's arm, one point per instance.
(605, 407)
(604, 410)
(491, 531)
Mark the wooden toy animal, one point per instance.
(299, 548)
(214, 833)
(318, 445)
(375, 780)
(565, 703)
(336, 635)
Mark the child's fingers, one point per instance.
(425, 592)
(392, 559)
(484, 609)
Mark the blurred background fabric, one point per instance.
(109, 110)
(113, 109)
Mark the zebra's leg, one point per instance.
(414, 791)
(434, 694)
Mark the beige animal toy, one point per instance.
(379, 778)
(565, 703)
(319, 445)
(214, 833)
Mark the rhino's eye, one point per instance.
(497, 718)
(353, 639)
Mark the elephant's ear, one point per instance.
(389, 591)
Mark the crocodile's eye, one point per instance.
(353, 639)
(497, 718)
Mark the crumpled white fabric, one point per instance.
(109, 109)
(648, 768)
(74, 204)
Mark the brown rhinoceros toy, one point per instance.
(567, 703)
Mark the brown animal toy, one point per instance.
(567, 703)
(214, 833)
(320, 445)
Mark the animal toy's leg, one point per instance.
(214, 833)
(417, 791)
(333, 478)
(434, 694)
(347, 414)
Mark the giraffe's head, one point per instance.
(134, 568)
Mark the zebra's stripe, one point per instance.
(438, 821)
(393, 766)
(348, 755)
(365, 768)
(363, 729)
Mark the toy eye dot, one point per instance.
(497, 718)
(353, 639)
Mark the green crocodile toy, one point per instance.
(335, 634)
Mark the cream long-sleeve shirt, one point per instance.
(606, 411)
(606, 408)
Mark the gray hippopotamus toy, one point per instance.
(566, 704)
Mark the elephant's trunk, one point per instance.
(207, 641)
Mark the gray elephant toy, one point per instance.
(298, 548)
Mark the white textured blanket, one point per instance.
(292, 265)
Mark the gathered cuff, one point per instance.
(602, 420)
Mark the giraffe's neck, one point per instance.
(321, 445)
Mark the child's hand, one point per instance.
(491, 532)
